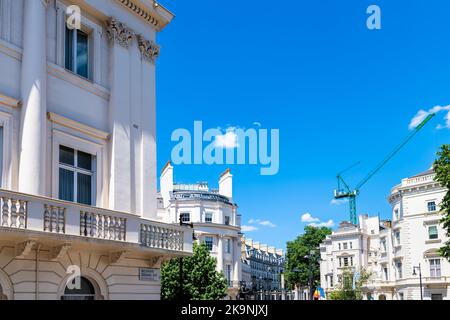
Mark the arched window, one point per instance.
(381, 297)
(85, 292)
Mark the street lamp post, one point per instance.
(420, 278)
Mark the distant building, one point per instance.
(214, 216)
(393, 252)
(262, 271)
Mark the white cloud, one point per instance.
(256, 123)
(338, 202)
(308, 218)
(315, 222)
(265, 223)
(422, 114)
(228, 140)
(328, 224)
(248, 228)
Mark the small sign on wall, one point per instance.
(148, 274)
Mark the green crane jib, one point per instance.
(343, 190)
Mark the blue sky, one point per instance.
(338, 93)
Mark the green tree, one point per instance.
(349, 288)
(442, 168)
(201, 281)
(302, 258)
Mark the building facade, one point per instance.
(399, 253)
(262, 271)
(78, 189)
(214, 216)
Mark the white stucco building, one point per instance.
(395, 252)
(78, 151)
(214, 216)
(262, 271)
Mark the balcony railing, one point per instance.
(34, 213)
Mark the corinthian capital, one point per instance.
(149, 50)
(119, 32)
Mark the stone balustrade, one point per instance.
(153, 236)
(47, 215)
(102, 226)
(13, 212)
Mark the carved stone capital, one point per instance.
(24, 248)
(57, 253)
(149, 50)
(118, 32)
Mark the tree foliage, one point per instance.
(201, 281)
(350, 288)
(303, 257)
(442, 168)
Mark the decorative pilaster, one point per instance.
(220, 254)
(118, 32)
(34, 96)
(149, 50)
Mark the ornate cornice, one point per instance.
(156, 15)
(149, 50)
(118, 32)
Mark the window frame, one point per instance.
(228, 245)
(435, 267)
(434, 234)
(399, 269)
(227, 223)
(95, 31)
(8, 149)
(88, 32)
(183, 215)
(208, 214)
(206, 242)
(431, 204)
(75, 169)
(83, 144)
(397, 237)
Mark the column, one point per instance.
(220, 255)
(34, 102)
(120, 37)
(237, 262)
(149, 52)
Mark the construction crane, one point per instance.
(344, 191)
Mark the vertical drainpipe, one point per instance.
(37, 271)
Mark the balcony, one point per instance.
(436, 282)
(54, 221)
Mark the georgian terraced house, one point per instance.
(78, 151)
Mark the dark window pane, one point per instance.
(84, 189)
(69, 49)
(66, 155)
(85, 292)
(82, 54)
(66, 188)
(84, 160)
